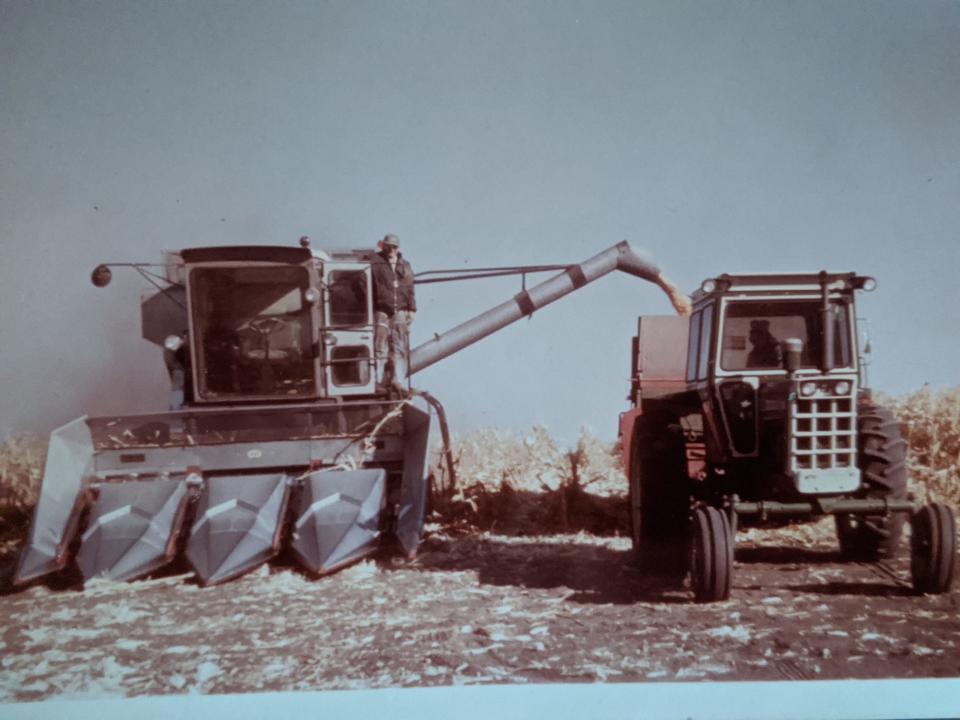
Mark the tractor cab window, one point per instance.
(753, 331)
(698, 347)
(692, 347)
(703, 354)
(252, 332)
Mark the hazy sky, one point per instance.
(720, 136)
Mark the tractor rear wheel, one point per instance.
(659, 496)
(711, 555)
(933, 547)
(882, 455)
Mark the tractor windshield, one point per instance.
(252, 332)
(753, 331)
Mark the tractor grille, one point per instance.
(823, 434)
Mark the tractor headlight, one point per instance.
(808, 388)
(708, 286)
(842, 388)
(311, 295)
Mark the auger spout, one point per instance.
(619, 257)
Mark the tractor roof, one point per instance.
(787, 283)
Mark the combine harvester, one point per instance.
(278, 434)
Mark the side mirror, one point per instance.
(101, 276)
(792, 350)
(866, 347)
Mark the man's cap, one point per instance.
(761, 325)
(391, 240)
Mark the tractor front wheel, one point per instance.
(932, 548)
(711, 555)
(882, 456)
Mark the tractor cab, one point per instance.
(757, 314)
(774, 358)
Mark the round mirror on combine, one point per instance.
(101, 276)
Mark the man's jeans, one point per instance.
(391, 344)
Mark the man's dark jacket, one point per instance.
(392, 291)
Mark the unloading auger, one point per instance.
(277, 435)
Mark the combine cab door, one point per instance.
(347, 336)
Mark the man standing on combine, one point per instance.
(394, 307)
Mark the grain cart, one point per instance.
(277, 433)
(755, 405)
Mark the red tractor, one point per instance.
(756, 405)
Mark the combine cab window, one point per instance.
(350, 365)
(348, 335)
(252, 332)
(348, 298)
(753, 331)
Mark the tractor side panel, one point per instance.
(661, 356)
(659, 369)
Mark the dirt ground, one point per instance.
(480, 608)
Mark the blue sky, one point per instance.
(721, 137)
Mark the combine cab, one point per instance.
(756, 405)
(278, 434)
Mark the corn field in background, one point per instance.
(21, 469)
(529, 485)
(931, 423)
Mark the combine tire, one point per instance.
(659, 496)
(711, 555)
(882, 463)
(932, 548)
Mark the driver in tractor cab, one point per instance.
(766, 349)
(394, 306)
